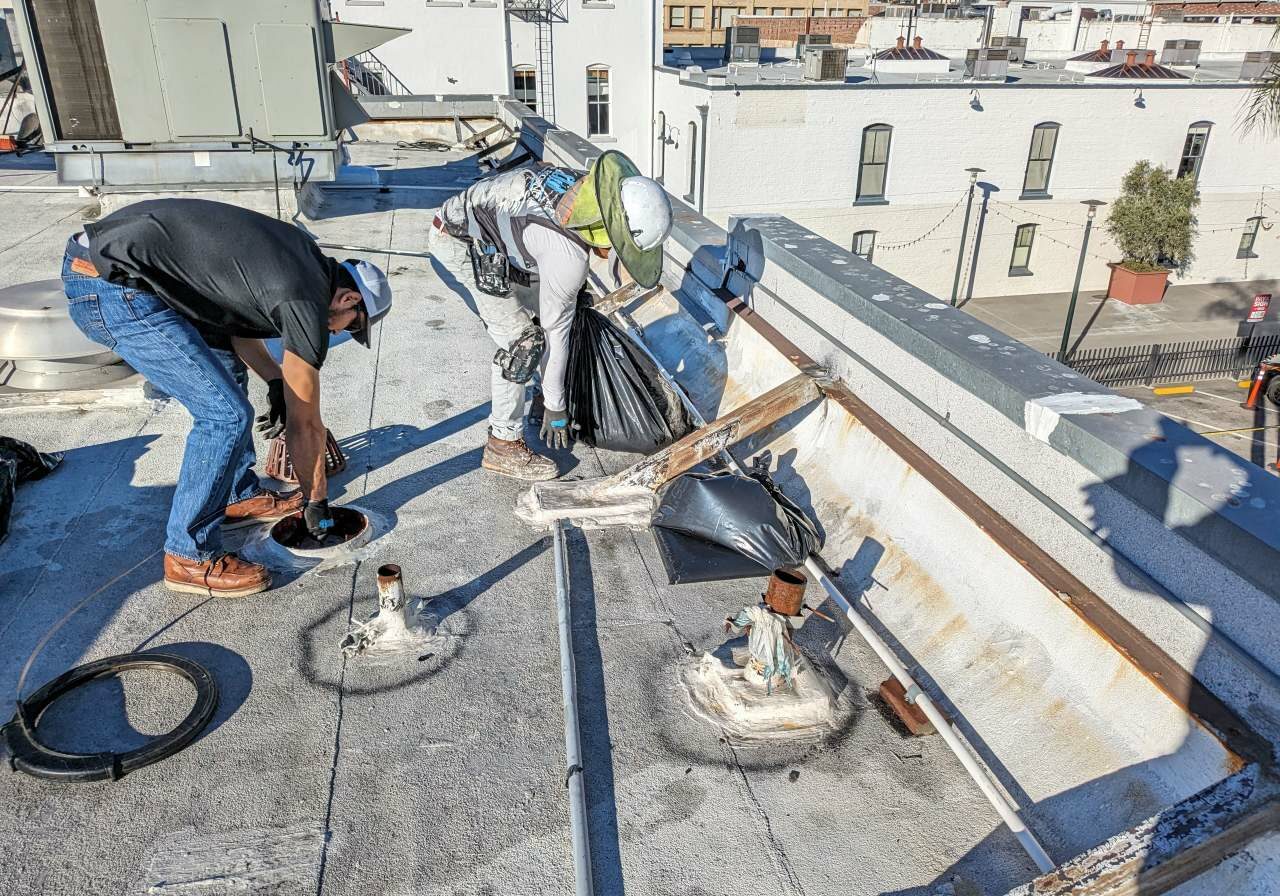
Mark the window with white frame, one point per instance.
(1193, 150)
(524, 83)
(1248, 238)
(1044, 140)
(1020, 263)
(864, 244)
(597, 100)
(676, 15)
(697, 17)
(873, 170)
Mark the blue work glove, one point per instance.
(318, 519)
(555, 429)
(271, 424)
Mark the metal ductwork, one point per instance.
(42, 349)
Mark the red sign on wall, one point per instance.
(1258, 311)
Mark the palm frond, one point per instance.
(1260, 112)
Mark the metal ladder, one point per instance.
(1144, 32)
(546, 71)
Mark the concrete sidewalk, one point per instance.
(1193, 311)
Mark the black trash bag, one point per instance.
(19, 462)
(615, 394)
(731, 516)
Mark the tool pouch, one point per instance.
(491, 269)
(518, 361)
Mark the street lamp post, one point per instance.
(1075, 289)
(964, 232)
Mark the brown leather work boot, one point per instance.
(225, 576)
(517, 460)
(264, 508)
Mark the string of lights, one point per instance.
(1041, 234)
(890, 247)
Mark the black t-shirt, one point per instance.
(228, 270)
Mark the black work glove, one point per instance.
(271, 424)
(317, 518)
(555, 429)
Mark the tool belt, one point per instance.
(82, 263)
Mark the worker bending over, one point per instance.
(185, 290)
(539, 226)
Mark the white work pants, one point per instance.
(504, 318)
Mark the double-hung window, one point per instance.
(597, 100)
(1248, 238)
(525, 86)
(1044, 140)
(864, 244)
(1023, 238)
(873, 171)
(1193, 150)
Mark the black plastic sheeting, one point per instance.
(716, 526)
(615, 394)
(19, 462)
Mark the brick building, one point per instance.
(686, 24)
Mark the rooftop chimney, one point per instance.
(1151, 57)
(1119, 45)
(1131, 58)
(902, 42)
(917, 42)
(1104, 46)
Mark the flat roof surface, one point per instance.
(1039, 70)
(433, 774)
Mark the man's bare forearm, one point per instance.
(306, 441)
(253, 352)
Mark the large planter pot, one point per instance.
(1136, 287)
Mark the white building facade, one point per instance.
(598, 55)
(880, 169)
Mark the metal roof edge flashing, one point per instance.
(1226, 508)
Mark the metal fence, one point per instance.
(1132, 365)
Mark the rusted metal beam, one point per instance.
(624, 295)
(475, 139)
(1179, 685)
(702, 444)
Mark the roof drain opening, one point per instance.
(291, 532)
(764, 689)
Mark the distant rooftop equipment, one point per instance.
(1180, 52)
(741, 44)
(1016, 46)
(1258, 63)
(825, 64)
(990, 64)
(42, 349)
(144, 94)
(806, 41)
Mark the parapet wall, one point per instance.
(1177, 534)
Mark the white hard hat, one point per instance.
(376, 293)
(648, 211)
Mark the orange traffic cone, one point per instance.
(1255, 388)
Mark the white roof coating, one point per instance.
(444, 773)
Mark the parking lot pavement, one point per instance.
(1214, 410)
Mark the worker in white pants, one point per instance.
(541, 225)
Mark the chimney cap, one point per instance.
(1131, 58)
(1151, 57)
(917, 42)
(1119, 45)
(902, 41)
(1104, 44)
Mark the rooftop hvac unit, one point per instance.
(741, 44)
(1258, 63)
(1180, 52)
(825, 64)
(986, 65)
(809, 41)
(1017, 47)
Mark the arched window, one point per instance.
(692, 195)
(874, 169)
(1020, 263)
(1044, 140)
(524, 84)
(597, 100)
(864, 244)
(1193, 149)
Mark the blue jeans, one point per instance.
(212, 384)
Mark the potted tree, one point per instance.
(1153, 223)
